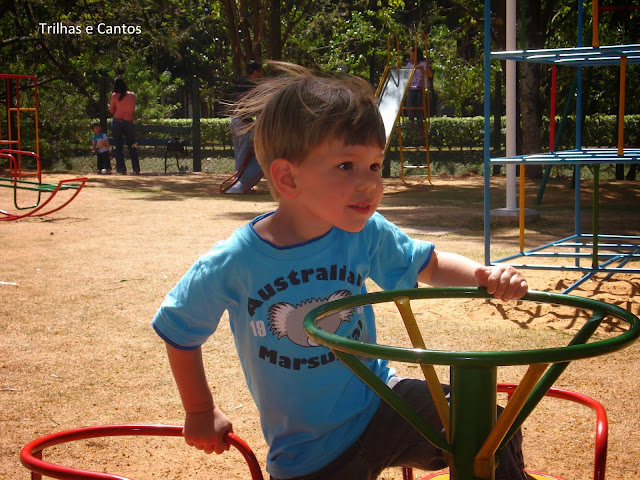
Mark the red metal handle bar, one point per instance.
(19, 153)
(31, 454)
(602, 426)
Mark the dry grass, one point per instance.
(80, 288)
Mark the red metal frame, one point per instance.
(31, 454)
(14, 153)
(601, 434)
(15, 171)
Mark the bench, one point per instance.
(174, 138)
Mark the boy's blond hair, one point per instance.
(298, 111)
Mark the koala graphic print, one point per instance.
(286, 320)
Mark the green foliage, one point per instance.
(168, 43)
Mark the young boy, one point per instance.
(100, 145)
(320, 143)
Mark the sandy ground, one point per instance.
(80, 287)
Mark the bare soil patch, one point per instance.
(79, 289)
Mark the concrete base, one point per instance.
(511, 216)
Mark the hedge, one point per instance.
(447, 133)
(468, 132)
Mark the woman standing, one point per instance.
(122, 107)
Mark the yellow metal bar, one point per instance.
(400, 148)
(623, 87)
(430, 375)
(483, 458)
(427, 123)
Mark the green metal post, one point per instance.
(473, 415)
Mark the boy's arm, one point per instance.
(451, 270)
(205, 425)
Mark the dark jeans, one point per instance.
(390, 441)
(103, 161)
(122, 131)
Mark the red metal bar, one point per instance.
(12, 75)
(15, 168)
(602, 424)
(601, 434)
(31, 454)
(619, 8)
(19, 154)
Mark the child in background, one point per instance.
(320, 143)
(102, 148)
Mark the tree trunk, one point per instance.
(530, 104)
(275, 31)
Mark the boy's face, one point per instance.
(96, 129)
(339, 185)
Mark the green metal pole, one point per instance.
(596, 217)
(473, 415)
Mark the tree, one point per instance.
(260, 29)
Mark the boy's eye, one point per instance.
(346, 166)
(375, 167)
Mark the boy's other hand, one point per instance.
(502, 281)
(206, 430)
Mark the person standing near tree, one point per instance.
(122, 107)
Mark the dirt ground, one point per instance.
(79, 289)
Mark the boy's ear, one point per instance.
(283, 178)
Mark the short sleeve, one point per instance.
(396, 259)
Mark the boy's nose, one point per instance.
(368, 181)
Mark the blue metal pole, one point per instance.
(578, 127)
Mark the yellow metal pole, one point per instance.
(427, 122)
(509, 414)
(430, 375)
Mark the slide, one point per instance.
(392, 96)
(248, 171)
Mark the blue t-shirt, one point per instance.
(312, 408)
(101, 142)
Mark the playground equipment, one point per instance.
(392, 92)
(31, 454)
(608, 253)
(248, 171)
(22, 163)
(473, 437)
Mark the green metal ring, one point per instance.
(477, 358)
